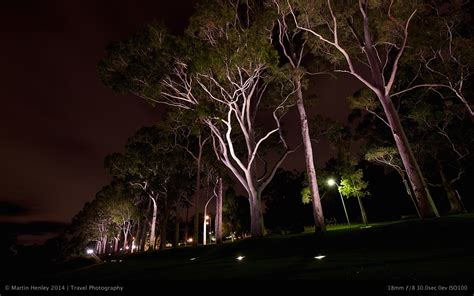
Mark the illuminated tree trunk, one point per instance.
(407, 188)
(257, 225)
(310, 169)
(104, 244)
(176, 231)
(98, 248)
(136, 236)
(197, 194)
(218, 218)
(362, 211)
(454, 203)
(186, 225)
(241, 104)
(116, 242)
(294, 51)
(382, 89)
(153, 224)
(256, 215)
(125, 236)
(420, 189)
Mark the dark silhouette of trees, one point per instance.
(284, 209)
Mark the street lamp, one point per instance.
(332, 182)
(207, 219)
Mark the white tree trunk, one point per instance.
(363, 214)
(423, 198)
(197, 195)
(125, 237)
(256, 215)
(153, 224)
(104, 244)
(218, 218)
(310, 168)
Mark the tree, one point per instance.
(381, 47)
(91, 225)
(124, 214)
(294, 49)
(222, 73)
(442, 128)
(140, 167)
(388, 156)
(447, 141)
(218, 219)
(237, 86)
(193, 137)
(352, 185)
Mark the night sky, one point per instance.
(58, 121)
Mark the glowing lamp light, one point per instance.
(240, 258)
(126, 247)
(89, 251)
(320, 257)
(190, 240)
(331, 182)
(207, 217)
(192, 259)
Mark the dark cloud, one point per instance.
(8, 208)
(33, 228)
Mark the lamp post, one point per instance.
(332, 182)
(206, 218)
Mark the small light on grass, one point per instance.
(89, 251)
(319, 257)
(240, 258)
(192, 259)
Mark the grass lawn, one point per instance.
(430, 250)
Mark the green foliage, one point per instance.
(306, 195)
(231, 36)
(353, 185)
(138, 64)
(363, 99)
(387, 153)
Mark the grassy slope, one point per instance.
(432, 249)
